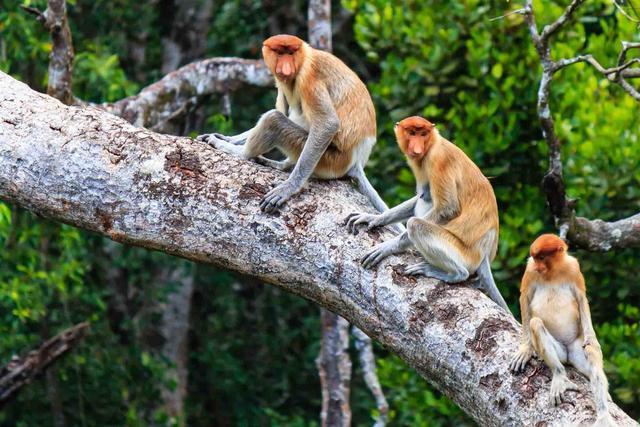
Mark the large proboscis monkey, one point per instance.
(556, 322)
(324, 121)
(453, 219)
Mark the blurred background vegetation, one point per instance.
(252, 348)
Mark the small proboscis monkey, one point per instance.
(453, 219)
(556, 322)
(324, 122)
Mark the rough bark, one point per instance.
(98, 172)
(595, 235)
(180, 91)
(20, 371)
(334, 366)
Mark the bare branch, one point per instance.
(562, 207)
(624, 12)
(600, 236)
(93, 170)
(550, 29)
(180, 91)
(368, 365)
(22, 370)
(54, 19)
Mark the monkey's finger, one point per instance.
(202, 138)
(370, 259)
(221, 136)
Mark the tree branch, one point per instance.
(576, 229)
(95, 171)
(54, 19)
(180, 91)
(22, 370)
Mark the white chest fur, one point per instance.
(556, 306)
(424, 202)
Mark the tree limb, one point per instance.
(54, 19)
(576, 229)
(96, 171)
(22, 370)
(180, 91)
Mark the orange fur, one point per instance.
(556, 321)
(453, 179)
(321, 77)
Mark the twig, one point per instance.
(20, 371)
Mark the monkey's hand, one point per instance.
(518, 363)
(368, 220)
(276, 197)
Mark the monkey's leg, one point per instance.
(365, 187)
(441, 250)
(554, 354)
(284, 165)
(394, 246)
(588, 361)
(486, 279)
(239, 139)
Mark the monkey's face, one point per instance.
(283, 56)
(547, 251)
(414, 136)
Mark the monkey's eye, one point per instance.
(424, 134)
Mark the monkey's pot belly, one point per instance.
(556, 306)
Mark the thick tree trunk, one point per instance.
(98, 172)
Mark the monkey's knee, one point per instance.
(417, 228)
(536, 325)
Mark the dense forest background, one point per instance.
(251, 348)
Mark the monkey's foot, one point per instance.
(560, 384)
(221, 144)
(429, 270)
(354, 219)
(378, 253)
(520, 360)
(276, 197)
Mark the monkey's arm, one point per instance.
(399, 213)
(324, 125)
(444, 193)
(525, 351)
(588, 333)
(394, 246)
(281, 103)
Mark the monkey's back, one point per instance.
(350, 98)
(478, 205)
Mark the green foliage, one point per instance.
(477, 79)
(97, 77)
(412, 402)
(253, 348)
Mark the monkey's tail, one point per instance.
(486, 280)
(365, 187)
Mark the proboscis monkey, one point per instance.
(453, 219)
(556, 322)
(324, 121)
